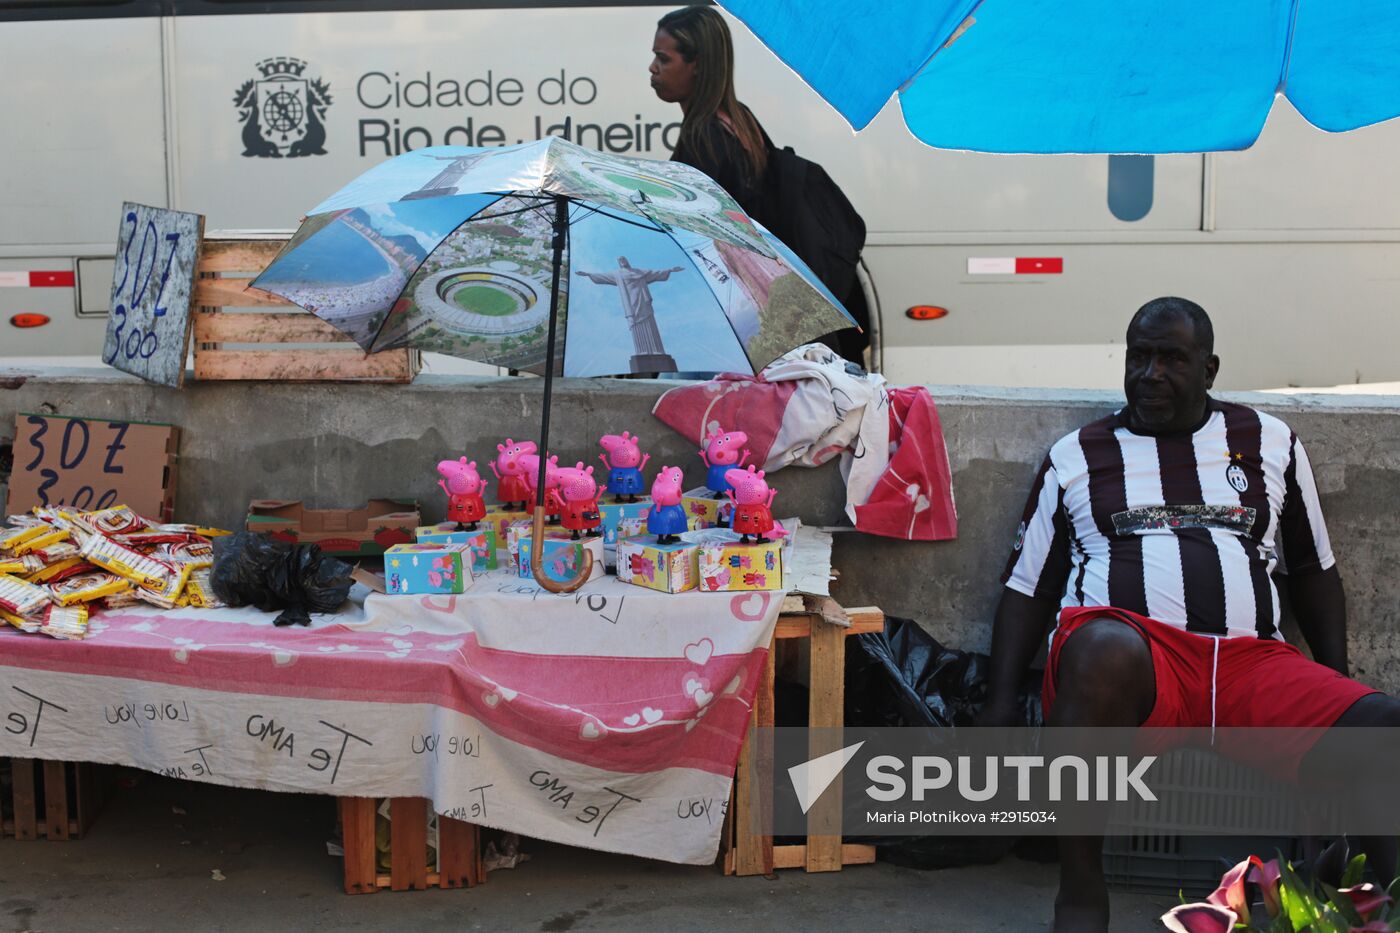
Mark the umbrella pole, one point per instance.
(561, 233)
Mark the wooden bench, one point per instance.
(746, 853)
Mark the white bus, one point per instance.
(1009, 270)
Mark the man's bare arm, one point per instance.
(1320, 605)
(1017, 634)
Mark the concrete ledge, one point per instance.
(338, 444)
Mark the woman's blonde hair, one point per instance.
(702, 37)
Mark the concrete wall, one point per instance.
(336, 445)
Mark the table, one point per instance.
(747, 853)
(585, 719)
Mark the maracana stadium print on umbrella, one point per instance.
(451, 249)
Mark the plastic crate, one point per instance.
(1212, 813)
(1191, 865)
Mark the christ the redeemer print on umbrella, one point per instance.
(549, 251)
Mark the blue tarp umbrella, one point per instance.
(1115, 76)
(552, 258)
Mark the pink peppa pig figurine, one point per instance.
(464, 488)
(753, 504)
(625, 470)
(667, 516)
(580, 493)
(553, 501)
(722, 453)
(511, 483)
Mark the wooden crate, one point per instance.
(53, 800)
(244, 333)
(459, 848)
(747, 853)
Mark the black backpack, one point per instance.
(813, 216)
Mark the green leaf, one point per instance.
(1341, 903)
(1355, 869)
(1299, 904)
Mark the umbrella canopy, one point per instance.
(1145, 76)
(450, 249)
(551, 257)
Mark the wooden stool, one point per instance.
(746, 853)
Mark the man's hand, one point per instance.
(998, 714)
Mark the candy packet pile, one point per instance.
(58, 565)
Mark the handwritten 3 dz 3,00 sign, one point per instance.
(149, 324)
(91, 463)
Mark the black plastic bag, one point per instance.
(903, 676)
(255, 570)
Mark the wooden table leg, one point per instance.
(357, 838)
(753, 854)
(826, 715)
(56, 800)
(26, 803)
(408, 844)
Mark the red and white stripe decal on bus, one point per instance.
(1015, 265)
(57, 279)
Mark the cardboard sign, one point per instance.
(149, 326)
(93, 463)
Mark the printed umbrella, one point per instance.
(470, 252)
(1143, 76)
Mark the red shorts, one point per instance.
(1258, 682)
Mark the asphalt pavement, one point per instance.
(173, 855)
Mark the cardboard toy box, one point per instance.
(422, 569)
(500, 519)
(523, 528)
(725, 564)
(561, 556)
(705, 509)
(620, 515)
(365, 531)
(670, 568)
(482, 541)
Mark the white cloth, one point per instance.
(832, 411)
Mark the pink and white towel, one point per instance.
(609, 718)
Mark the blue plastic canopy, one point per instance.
(1117, 76)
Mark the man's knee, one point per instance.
(1106, 660)
(1377, 710)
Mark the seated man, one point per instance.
(1153, 532)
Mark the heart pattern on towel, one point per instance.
(591, 729)
(750, 608)
(699, 652)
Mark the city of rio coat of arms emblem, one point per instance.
(283, 111)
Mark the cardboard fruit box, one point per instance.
(366, 531)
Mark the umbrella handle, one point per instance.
(536, 561)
